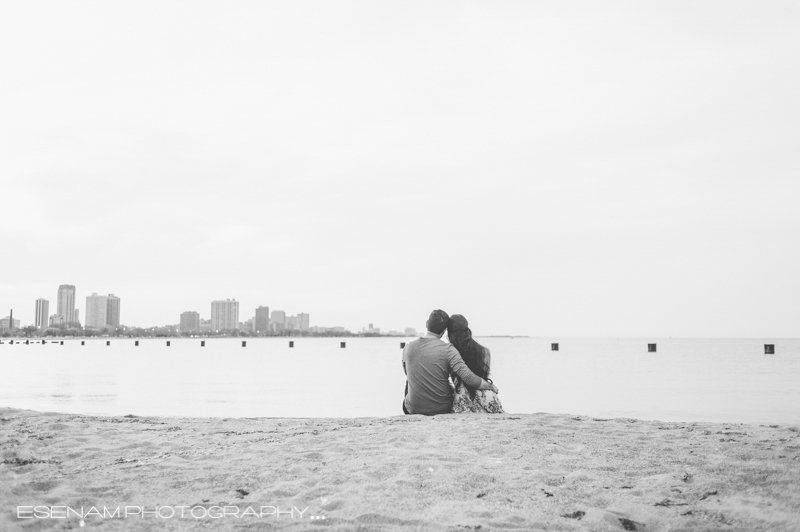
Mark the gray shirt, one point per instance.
(428, 362)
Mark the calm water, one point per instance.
(686, 380)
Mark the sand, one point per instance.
(452, 472)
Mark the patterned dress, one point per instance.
(483, 402)
(480, 402)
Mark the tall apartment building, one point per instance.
(8, 323)
(277, 320)
(96, 310)
(302, 321)
(65, 306)
(112, 310)
(261, 321)
(102, 311)
(42, 313)
(190, 321)
(225, 315)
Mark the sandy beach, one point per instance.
(468, 472)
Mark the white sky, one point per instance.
(544, 168)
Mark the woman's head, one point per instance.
(472, 352)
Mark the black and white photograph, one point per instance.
(400, 266)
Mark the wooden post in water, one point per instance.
(62, 342)
(167, 343)
(291, 344)
(202, 343)
(402, 345)
(136, 343)
(342, 345)
(83, 342)
(769, 349)
(244, 343)
(108, 342)
(553, 347)
(651, 348)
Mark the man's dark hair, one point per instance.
(437, 321)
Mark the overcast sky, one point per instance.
(544, 168)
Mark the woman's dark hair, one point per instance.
(473, 353)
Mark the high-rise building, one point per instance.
(261, 321)
(302, 321)
(42, 313)
(96, 311)
(277, 320)
(66, 303)
(112, 310)
(102, 311)
(7, 323)
(190, 321)
(77, 317)
(225, 315)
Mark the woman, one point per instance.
(478, 360)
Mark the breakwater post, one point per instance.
(769, 349)
(651, 348)
(553, 347)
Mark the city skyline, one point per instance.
(105, 311)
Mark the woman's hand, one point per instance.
(489, 385)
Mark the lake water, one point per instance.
(685, 380)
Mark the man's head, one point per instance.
(437, 322)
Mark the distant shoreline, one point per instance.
(242, 337)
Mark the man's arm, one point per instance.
(458, 367)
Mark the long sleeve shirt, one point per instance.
(428, 362)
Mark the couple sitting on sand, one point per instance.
(430, 364)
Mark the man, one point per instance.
(428, 362)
